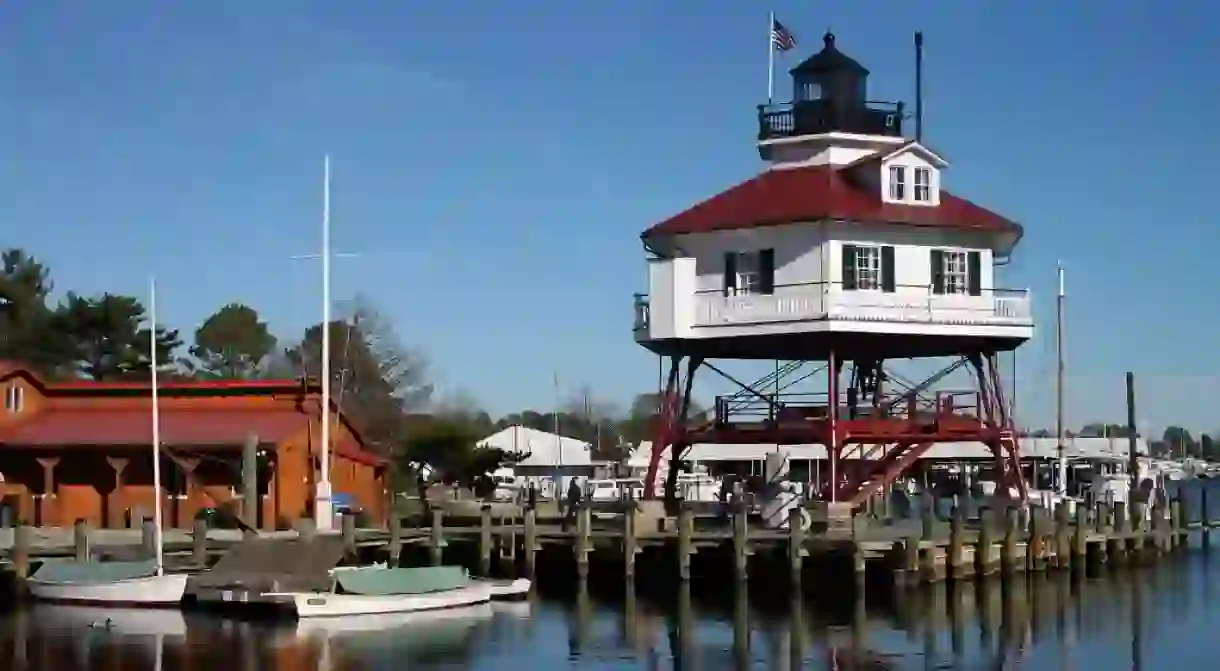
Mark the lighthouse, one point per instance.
(846, 255)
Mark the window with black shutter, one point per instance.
(849, 267)
(730, 273)
(974, 272)
(766, 271)
(938, 271)
(887, 269)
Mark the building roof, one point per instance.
(129, 422)
(819, 192)
(1043, 448)
(541, 448)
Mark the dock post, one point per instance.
(910, 561)
(21, 549)
(631, 546)
(348, 530)
(1176, 528)
(1139, 518)
(1104, 525)
(485, 539)
(395, 547)
(796, 548)
(686, 546)
(1119, 533)
(1063, 537)
(1034, 551)
(530, 540)
(953, 557)
(984, 557)
(1205, 518)
(80, 539)
(436, 544)
(584, 541)
(1008, 555)
(148, 538)
(199, 543)
(1080, 538)
(741, 539)
(1160, 529)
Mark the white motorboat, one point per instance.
(378, 590)
(119, 583)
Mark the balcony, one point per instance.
(816, 116)
(704, 314)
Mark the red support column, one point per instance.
(832, 406)
(662, 432)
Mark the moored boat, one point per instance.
(379, 590)
(112, 583)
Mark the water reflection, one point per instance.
(1137, 618)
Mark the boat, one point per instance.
(119, 583)
(378, 590)
(511, 589)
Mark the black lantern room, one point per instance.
(830, 94)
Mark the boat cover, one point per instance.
(386, 581)
(274, 564)
(91, 572)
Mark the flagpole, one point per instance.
(770, 57)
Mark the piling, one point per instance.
(1122, 529)
(630, 543)
(741, 550)
(199, 543)
(436, 540)
(954, 556)
(80, 539)
(348, 533)
(1139, 517)
(984, 558)
(1176, 526)
(1204, 518)
(485, 539)
(686, 547)
(1008, 555)
(1063, 537)
(530, 540)
(584, 538)
(1080, 538)
(148, 538)
(395, 547)
(22, 540)
(796, 547)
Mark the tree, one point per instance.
(450, 446)
(232, 343)
(27, 330)
(105, 339)
(374, 378)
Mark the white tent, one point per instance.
(541, 449)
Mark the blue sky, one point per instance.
(495, 162)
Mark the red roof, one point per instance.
(210, 427)
(812, 193)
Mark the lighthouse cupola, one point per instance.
(830, 95)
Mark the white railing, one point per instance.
(829, 300)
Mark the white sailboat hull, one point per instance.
(322, 604)
(157, 590)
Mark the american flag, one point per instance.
(781, 39)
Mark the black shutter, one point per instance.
(730, 273)
(938, 271)
(849, 267)
(766, 268)
(974, 279)
(887, 269)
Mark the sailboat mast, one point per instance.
(323, 514)
(156, 423)
(1059, 430)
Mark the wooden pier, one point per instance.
(724, 539)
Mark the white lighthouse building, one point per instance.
(847, 250)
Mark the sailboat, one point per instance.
(120, 583)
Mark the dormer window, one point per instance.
(898, 183)
(747, 273)
(923, 185)
(14, 397)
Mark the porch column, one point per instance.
(188, 506)
(115, 500)
(47, 504)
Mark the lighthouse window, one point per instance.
(898, 182)
(923, 185)
(956, 272)
(868, 268)
(749, 272)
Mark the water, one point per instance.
(1156, 617)
(1149, 618)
